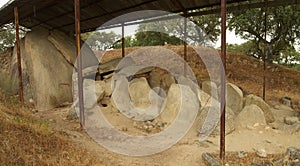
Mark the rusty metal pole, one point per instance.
(79, 61)
(185, 43)
(123, 41)
(223, 80)
(16, 13)
(265, 51)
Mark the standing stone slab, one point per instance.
(50, 74)
(234, 98)
(139, 92)
(252, 99)
(210, 88)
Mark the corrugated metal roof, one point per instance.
(59, 14)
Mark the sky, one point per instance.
(2, 2)
(130, 30)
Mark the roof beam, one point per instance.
(109, 13)
(70, 12)
(231, 8)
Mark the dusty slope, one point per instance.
(28, 140)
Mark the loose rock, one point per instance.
(291, 120)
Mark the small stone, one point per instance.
(286, 101)
(256, 125)
(160, 124)
(210, 159)
(250, 127)
(268, 141)
(242, 154)
(203, 144)
(261, 153)
(260, 132)
(31, 101)
(293, 153)
(148, 123)
(267, 127)
(291, 120)
(145, 127)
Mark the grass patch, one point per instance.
(27, 140)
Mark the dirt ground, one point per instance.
(243, 71)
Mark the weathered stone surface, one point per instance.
(210, 159)
(122, 101)
(159, 78)
(205, 99)
(252, 99)
(209, 123)
(286, 101)
(93, 92)
(210, 116)
(250, 115)
(188, 82)
(67, 47)
(261, 153)
(173, 104)
(210, 88)
(139, 92)
(293, 153)
(99, 90)
(234, 98)
(181, 100)
(291, 120)
(49, 72)
(115, 64)
(108, 87)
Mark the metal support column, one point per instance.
(123, 41)
(79, 61)
(185, 43)
(223, 80)
(16, 13)
(265, 50)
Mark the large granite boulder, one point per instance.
(252, 99)
(50, 59)
(250, 115)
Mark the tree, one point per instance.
(100, 40)
(283, 29)
(130, 41)
(200, 30)
(247, 48)
(8, 36)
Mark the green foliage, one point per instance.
(288, 57)
(200, 30)
(246, 48)
(100, 40)
(129, 42)
(283, 28)
(8, 36)
(150, 38)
